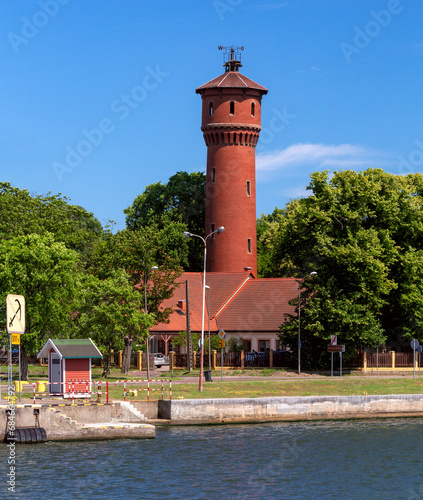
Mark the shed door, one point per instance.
(55, 374)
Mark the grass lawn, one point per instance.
(247, 388)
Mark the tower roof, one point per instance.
(231, 79)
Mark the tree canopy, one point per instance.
(47, 274)
(23, 214)
(170, 209)
(362, 233)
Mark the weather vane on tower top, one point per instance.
(231, 57)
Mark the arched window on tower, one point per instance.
(253, 109)
(249, 245)
(210, 108)
(248, 188)
(232, 108)
(214, 174)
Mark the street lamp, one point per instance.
(146, 276)
(208, 318)
(204, 240)
(313, 273)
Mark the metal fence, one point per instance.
(257, 359)
(383, 360)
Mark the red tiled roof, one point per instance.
(232, 79)
(238, 302)
(260, 305)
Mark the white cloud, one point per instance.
(319, 156)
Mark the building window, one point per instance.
(213, 174)
(248, 188)
(253, 109)
(232, 108)
(210, 108)
(264, 345)
(249, 245)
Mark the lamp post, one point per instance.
(146, 276)
(204, 240)
(313, 273)
(208, 318)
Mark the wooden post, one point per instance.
(120, 359)
(270, 358)
(393, 360)
(172, 360)
(364, 360)
(139, 360)
(112, 357)
(214, 359)
(242, 359)
(194, 359)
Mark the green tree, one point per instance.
(47, 274)
(137, 253)
(362, 233)
(112, 314)
(23, 214)
(170, 209)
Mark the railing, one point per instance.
(257, 359)
(383, 360)
(73, 389)
(230, 359)
(404, 359)
(163, 389)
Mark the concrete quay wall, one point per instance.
(80, 422)
(289, 408)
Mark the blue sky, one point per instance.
(345, 82)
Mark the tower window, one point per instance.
(210, 108)
(253, 109)
(249, 245)
(214, 175)
(248, 188)
(232, 108)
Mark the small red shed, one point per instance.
(69, 365)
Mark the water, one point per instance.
(378, 459)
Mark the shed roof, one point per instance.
(71, 348)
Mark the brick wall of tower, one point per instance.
(231, 138)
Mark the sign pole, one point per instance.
(414, 364)
(340, 364)
(331, 364)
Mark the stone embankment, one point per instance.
(205, 411)
(64, 422)
(120, 419)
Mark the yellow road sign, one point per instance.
(16, 338)
(15, 314)
(221, 343)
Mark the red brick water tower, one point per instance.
(231, 124)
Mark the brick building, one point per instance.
(236, 300)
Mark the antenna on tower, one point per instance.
(231, 57)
